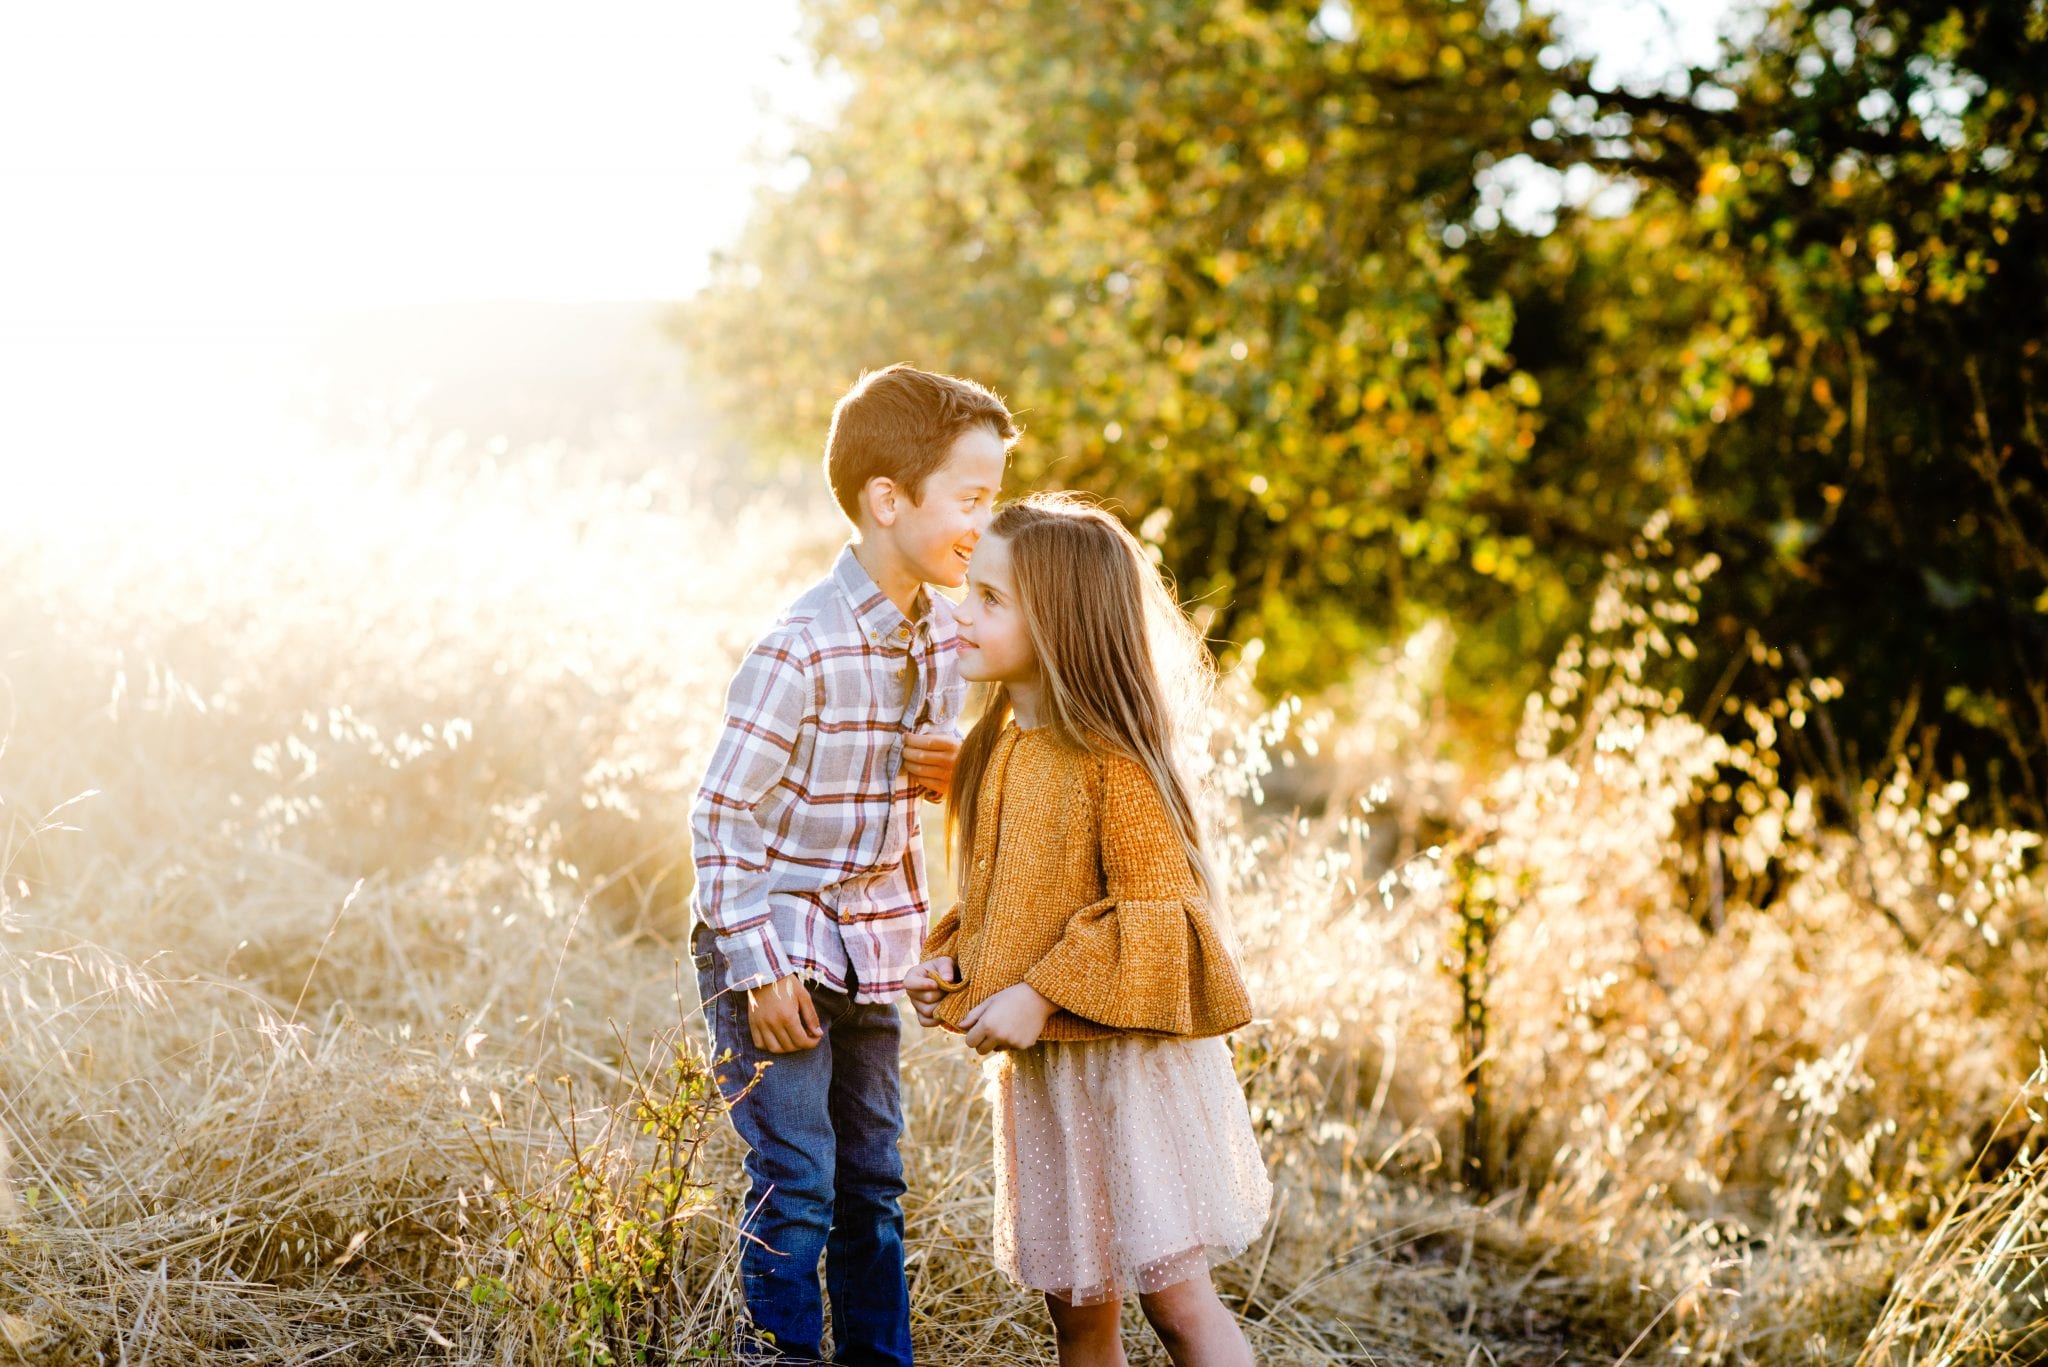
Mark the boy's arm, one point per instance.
(764, 710)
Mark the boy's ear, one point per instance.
(880, 494)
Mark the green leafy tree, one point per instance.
(1200, 247)
(1250, 269)
(1827, 310)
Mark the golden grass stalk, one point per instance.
(392, 784)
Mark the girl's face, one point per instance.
(994, 646)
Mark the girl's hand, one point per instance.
(927, 985)
(1012, 1019)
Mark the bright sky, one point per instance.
(234, 160)
(189, 186)
(1641, 40)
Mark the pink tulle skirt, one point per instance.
(1122, 1165)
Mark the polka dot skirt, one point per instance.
(1122, 1165)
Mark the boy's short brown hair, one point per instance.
(900, 423)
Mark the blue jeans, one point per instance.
(823, 1175)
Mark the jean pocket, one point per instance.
(710, 988)
(712, 996)
(704, 955)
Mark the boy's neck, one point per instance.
(897, 581)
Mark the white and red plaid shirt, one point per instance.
(807, 845)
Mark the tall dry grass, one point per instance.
(344, 871)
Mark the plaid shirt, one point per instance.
(808, 853)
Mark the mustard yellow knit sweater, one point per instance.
(1078, 885)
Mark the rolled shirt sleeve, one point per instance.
(766, 708)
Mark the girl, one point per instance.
(1087, 960)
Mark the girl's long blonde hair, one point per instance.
(1125, 671)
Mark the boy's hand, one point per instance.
(927, 985)
(1011, 1019)
(928, 760)
(782, 1018)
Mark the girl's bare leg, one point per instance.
(1196, 1327)
(1087, 1335)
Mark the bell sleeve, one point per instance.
(1136, 959)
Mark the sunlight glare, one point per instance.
(205, 183)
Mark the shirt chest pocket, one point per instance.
(943, 708)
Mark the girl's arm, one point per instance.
(1133, 960)
(938, 942)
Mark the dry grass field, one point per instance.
(345, 865)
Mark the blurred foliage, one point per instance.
(1822, 322)
(1283, 279)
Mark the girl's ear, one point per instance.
(879, 494)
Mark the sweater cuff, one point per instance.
(940, 939)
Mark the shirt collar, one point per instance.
(879, 619)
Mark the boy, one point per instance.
(811, 898)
